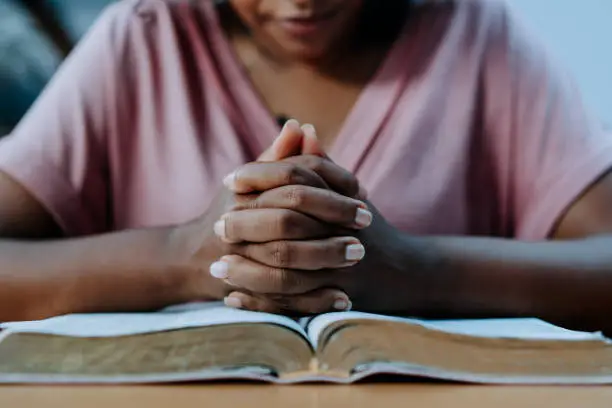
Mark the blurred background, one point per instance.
(35, 36)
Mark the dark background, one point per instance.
(35, 35)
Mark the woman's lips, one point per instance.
(303, 27)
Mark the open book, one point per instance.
(209, 341)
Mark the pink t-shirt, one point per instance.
(468, 128)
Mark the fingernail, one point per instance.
(219, 270)
(292, 123)
(355, 252)
(219, 229)
(309, 130)
(343, 304)
(230, 181)
(363, 218)
(233, 302)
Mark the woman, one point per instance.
(488, 181)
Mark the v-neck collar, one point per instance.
(360, 127)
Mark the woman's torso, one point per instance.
(413, 137)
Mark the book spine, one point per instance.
(314, 366)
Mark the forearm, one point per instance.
(569, 282)
(131, 270)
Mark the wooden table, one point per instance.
(307, 396)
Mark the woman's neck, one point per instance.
(380, 23)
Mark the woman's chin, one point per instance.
(307, 54)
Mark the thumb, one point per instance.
(287, 144)
(311, 144)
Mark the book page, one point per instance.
(123, 324)
(521, 328)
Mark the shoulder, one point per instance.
(129, 33)
(479, 12)
(476, 19)
(490, 32)
(149, 8)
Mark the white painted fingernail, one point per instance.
(355, 252)
(342, 304)
(232, 302)
(309, 130)
(230, 181)
(219, 270)
(363, 218)
(220, 229)
(292, 123)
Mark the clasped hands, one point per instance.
(294, 235)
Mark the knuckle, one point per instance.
(281, 254)
(244, 202)
(292, 174)
(296, 196)
(350, 184)
(281, 280)
(289, 281)
(315, 163)
(286, 224)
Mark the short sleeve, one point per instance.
(548, 147)
(58, 150)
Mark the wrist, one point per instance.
(465, 278)
(426, 273)
(405, 279)
(191, 248)
(128, 271)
